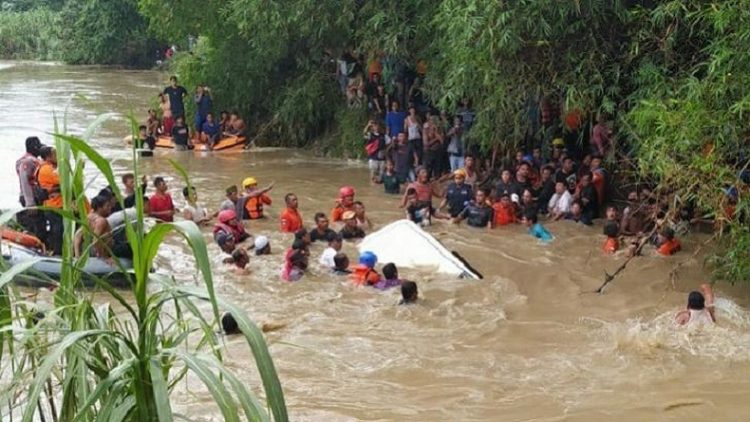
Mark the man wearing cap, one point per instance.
(291, 220)
(458, 194)
(250, 205)
(262, 246)
(26, 168)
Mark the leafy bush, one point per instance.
(32, 34)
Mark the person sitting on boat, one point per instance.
(210, 131)
(229, 224)
(351, 230)
(192, 211)
(700, 308)
(290, 219)
(364, 273)
(152, 123)
(160, 204)
(181, 135)
(236, 126)
(144, 138)
(224, 122)
(345, 202)
(252, 202)
(48, 179)
(26, 168)
(98, 226)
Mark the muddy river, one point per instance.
(527, 343)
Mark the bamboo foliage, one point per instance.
(83, 361)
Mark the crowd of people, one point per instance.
(421, 154)
(170, 120)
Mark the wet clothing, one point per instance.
(670, 247)
(290, 220)
(391, 183)
(352, 233)
(424, 191)
(316, 236)
(403, 160)
(700, 317)
(161, 202)
(510, 188)
(419, 213)
(541, 233)
(236, 230)
(611, 245)
(326, 259)
(338, 211)
(504, 214)
(457, 197)
(384, 284)
(477, 216)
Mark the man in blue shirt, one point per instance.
(202, 106)
(394, 121)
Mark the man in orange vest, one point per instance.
(49, 180)
(254, 199)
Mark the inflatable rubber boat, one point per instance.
(407, 245)
(46, 272)
(227, 143)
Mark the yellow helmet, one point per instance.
(460, 172)
(249, 181)
(558, 142)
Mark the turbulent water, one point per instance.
(526, 343)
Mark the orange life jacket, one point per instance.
(670, 247)
(364, 275)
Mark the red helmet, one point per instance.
(226, 216)
(346, 191)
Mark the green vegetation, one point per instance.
(110, 32)
(119, 357)
(672, 74)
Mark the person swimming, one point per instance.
(409, 293)
(529, 219)
(341, 264)
(700, 308)
(262, 246)
(229, 324)
(334, 247)
(390, 277)
(240, 259)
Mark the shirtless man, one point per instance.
(236, 125)
(700, 308)
(101, 208)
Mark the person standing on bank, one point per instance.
(26, 168)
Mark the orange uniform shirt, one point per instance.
(504, 215)
(670, 247)
(611, 245)
(291, 220)
(49, 180)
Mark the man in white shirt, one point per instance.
(559, 204)
(334, 246)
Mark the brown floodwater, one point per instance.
(527, 343)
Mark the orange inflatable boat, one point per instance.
(227, 143)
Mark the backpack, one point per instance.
(372, 147)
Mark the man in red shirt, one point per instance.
(291, 220)
(160, 204)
